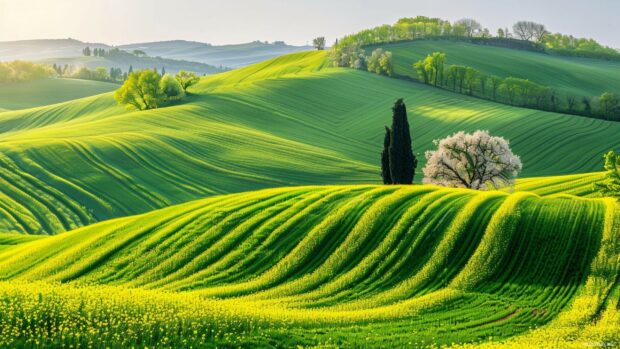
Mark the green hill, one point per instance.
(338, 265)
(575, 76)
(37, 93)
(287, 121)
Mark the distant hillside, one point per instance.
(570, 75)
(227, 55)
(32, 50)
(172, 66)
(37, 93)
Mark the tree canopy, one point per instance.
(146, 89)
(186, 79)
(319, 43)
(398, 163)
(475, 161)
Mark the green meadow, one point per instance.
(581, 77)
(250, 213)
(288, 121)
(30, 94)
(336, 265)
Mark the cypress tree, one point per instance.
(130, 69)
(385, 157)
(401, 158)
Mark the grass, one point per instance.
(348, 266)
(575, 76)
(38, 93)
(287, 121)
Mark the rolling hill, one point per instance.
(38, 93)
(575, 76)
(287, 121)
(345, 266)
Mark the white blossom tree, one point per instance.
(477, 161)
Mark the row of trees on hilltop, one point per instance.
(379, 61)
(96, 52)
(434, 70)
(147, 89)
(113, 52)
(525, 35)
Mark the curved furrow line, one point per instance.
(189, 181)
(493, 245)
(160, 172)
(281, 241)
(88, 251)
(137, 261)
(203, 258)
(454, 241)
(122, 180)
(370, 227)
(312, 250)
(360, 280)
(257, 242)
(161, 261)
(45, 209)
(188, 259)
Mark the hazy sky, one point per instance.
(294, 21)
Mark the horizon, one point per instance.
(235, 22)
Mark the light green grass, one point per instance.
(369, 266)
(575, 76)
(37, 93)
(288, 121)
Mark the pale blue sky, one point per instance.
(294, 21)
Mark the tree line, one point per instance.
(378, 62)
(525, 35)
(434, 70)
(21, 71)
(113, 52)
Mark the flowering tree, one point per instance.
(476, 161)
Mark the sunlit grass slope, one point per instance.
(579, 184)
(48, 91)
(287, 121)
(575, 76)
(349, 265)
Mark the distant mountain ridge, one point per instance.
(231, 56)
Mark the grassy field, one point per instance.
(48, 91)
(574, 76)
(337, 265)
(287, 121)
